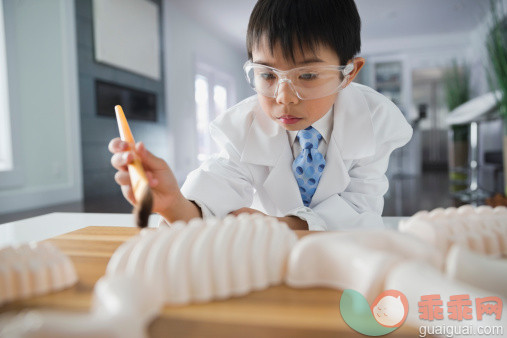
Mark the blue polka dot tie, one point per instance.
(309, 165)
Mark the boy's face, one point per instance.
(286, 108)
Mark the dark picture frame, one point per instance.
(137, 104)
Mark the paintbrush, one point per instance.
(138, 178)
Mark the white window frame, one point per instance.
(5, 121)
(10, 171)
(214, 77)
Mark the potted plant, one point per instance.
(496, 45)
(457, 92)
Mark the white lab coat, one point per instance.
(254, 166)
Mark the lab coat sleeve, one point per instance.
(205, 211)
(360, 205)
(220, 185)
(314, 221)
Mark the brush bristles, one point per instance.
(142, 210)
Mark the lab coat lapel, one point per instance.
(352, 138)
(267, 144)
(334, 178)
(281, 184)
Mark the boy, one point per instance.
(311, 148)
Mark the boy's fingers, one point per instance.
(128, 194)
(122, 177)
(239, 211)
(151, 179)
(149, 160)
(246, 210)
(121, 160)
(117, 145)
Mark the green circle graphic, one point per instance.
(356, 312)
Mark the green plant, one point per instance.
(496, 45)
(457, 85)
(457, 92)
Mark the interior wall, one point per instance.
(185, 42)
(42, 76)
(97, 130)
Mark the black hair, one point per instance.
(306, 24)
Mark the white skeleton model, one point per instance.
(33, 269)
(217, 259)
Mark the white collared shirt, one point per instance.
(324, 126)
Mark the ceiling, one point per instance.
(381, 19)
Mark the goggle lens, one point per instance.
(307, 82)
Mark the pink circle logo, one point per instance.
(390, 308)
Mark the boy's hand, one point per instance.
(246, 211)
(166, 194)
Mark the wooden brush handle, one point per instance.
(138, 177)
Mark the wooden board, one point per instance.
(279, 311)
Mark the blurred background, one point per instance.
(175, 65)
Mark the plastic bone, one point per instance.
(416, 279)
(482, 230)
(362, 269)
(33, 269)
(221, 263)
(118, 261)
(200, 264)
(357, 260)
(120, 310)
(137, 257)
(51, 324)
(477, 270)
(178, 288)
(209, 259)
(153, 265)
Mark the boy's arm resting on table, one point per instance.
(294, 222)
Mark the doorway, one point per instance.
(429, 97)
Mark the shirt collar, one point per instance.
(324, 126)
(352, 131)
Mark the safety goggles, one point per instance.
(308, 82)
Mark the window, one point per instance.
(6, 163)
(202, 116)
(213, 95)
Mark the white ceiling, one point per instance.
(381, 19)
